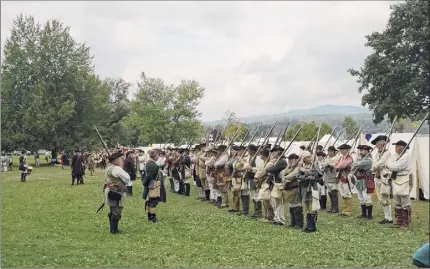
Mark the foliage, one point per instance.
(350, 126)
(308, 131)
(166, 112)
(239, 128)
(397, 73)
(59, 230)
(51, 97)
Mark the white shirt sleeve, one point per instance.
(123, 175)
(403, 164)
(221, 161)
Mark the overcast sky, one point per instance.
(253, 58)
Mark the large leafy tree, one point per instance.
(51, 95)
(350, 127)
(163, 112)
(397, 73)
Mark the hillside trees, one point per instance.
(308, 131)
(397, 73)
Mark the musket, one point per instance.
(108, 153)
(165, 144)
(315, 152)
(282, 134)
(311, 144)
(253, 136)
(229, 145)
(101, 140)
(190, 144)
(244, 138)
(331, 135)
(253, 158)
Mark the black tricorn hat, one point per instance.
(344, 146)
(277, 148)
(115, 156)
(401, 143)
(331, 148)
(302, 147)
(321, 154)
(379, 138)
(252, 147)
(234, 147)
(364, 147)
(221, 147)
(202, 145)
(293, 156)
(242, 147)
(265, 152)
(268, 146)
(320, 147)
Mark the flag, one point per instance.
(368, 136)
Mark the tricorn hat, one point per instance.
(115, 156)
(379, 138)
(364, 147)
(277, 148)
(252, 147)
(320, 147)
(321, 153)
(265, 152)
(331, 148)
(344, 146)
(293, 156)
(221, 147)
(268, 146)
(401, 143)
(234, 147)
(302, 147)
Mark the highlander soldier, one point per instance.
(400, 168)
(381, 184)
(363, 180)
(115, 187)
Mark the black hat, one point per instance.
(202, 145)
(77, 150)
(293, 156)
(242, 147)
(181, 150)
(302, 147)
(277, 148)
(234, 147)
(401, 143)
(379, 138)
(268, 146)
(196, 147)
(265, 152)
(320, 147)
(252, 147)
(364, 147)
(344, 146)
(321, 154)
(221, 147)
(331, 148)
(115, 156)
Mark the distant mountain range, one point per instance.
(325, 111)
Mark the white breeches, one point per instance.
(176, 184)
(344, 190)
(254, 195)
(278, 210)
(364, 197)
(322, 190)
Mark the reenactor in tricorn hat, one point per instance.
(363, 180)
(343, 167)
(382, 186)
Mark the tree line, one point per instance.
(52, 97)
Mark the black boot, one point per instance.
(312, 227)
(187, 189)
(111, 225)
(363, 212)
(130, 190)
(172, 185)
(258, 210)
(245, 205)
(154, 218)
(114, 225)
(219, 201)
(369, 211)
(335, 204)
(253, 215)
(149, 216)
(292, 218)
(73, 181)
(207, 194)
(307, 223)
(332, 208)
(323, 202)
(298, 216)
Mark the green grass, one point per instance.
(46, 222)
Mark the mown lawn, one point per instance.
(46, 222)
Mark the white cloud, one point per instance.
(252, 57)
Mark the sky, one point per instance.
(253, 58)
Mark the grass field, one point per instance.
(46, 222)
